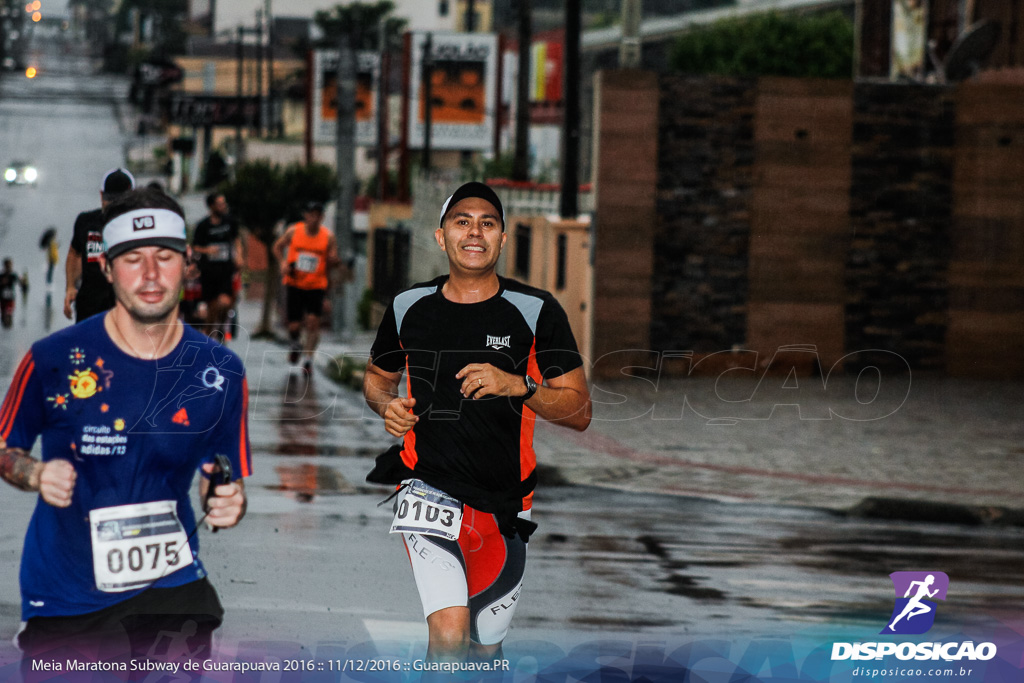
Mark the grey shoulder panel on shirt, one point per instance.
(405, 300)
(529, 306)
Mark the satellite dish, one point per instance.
(970, 50)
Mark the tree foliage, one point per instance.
(257, 197)
(769, 44)
(361, 22)
(263, 194)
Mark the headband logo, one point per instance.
(143, 223)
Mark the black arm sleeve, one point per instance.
(557, 353)
(386, 352)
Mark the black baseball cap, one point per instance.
(473, 189)
(117, 181)
(315, 206)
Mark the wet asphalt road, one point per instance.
(312, 566)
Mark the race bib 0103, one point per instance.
(135, 545)
(422, 509)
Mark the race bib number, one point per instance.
(422, 509)
(221, 253)
(307, 263)
(134, 545)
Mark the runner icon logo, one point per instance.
(916, 593)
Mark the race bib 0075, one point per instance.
(135, 545)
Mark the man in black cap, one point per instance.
(485, 356)
(87, 288)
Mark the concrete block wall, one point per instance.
(822, 215)
(901, 208)
(705, 188)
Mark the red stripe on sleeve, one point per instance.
(15, 394)
(409, 455)
(244, 455)
(527, 456)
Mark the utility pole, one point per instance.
(345, 148)
(240, 56)
(382, 110)
(521, 161)
(470, 16)
(271, 118)
(426, 83)
(629, 48)
(569, 201)
(259, 73)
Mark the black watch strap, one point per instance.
(531, 387)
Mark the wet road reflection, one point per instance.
(664, 562)
(605, 559)
(304, 482)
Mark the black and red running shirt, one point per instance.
(486, 443)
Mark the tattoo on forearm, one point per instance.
(17, 468)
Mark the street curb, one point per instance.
(909, 510)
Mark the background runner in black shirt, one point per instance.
(218, 243)
(87, 287)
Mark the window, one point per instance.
(563, 255)
(523, 242)
(442, 8)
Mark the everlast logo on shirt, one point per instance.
(143, 223)
(499, 342)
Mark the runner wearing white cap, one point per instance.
(129, 404)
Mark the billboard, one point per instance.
(200, 17)
(325, 92)
(546, 72)
(463, 82)
(909, 35)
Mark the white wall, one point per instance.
(422, 14)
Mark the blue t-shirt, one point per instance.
(135, 431)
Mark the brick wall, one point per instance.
(800, 219)
(626, 118)
(832, 215)
(986, 268)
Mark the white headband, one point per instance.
(144, 227)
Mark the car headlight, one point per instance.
(10, 175)
(30, 174)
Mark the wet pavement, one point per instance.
(312, 562)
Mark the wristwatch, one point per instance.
(531, 387)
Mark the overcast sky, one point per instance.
(232, 13)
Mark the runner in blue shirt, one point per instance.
(129, 405)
